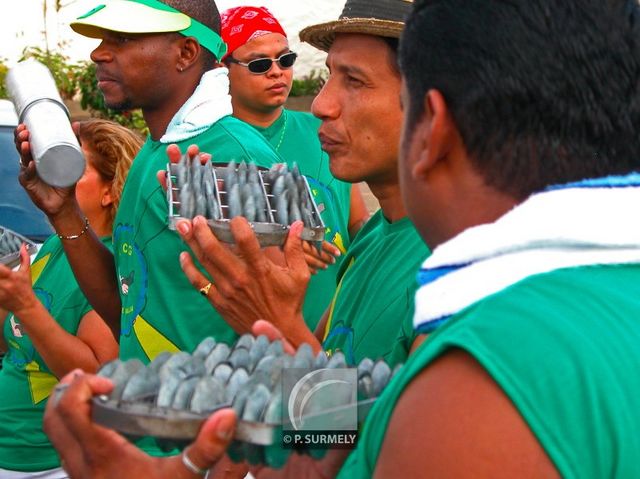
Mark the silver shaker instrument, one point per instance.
(54, 146)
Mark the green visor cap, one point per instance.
(146, 16)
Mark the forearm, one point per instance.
(93, 266)
(61, 351)
(299, 334)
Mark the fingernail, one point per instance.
(224, 430)
(183, 227)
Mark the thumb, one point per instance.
(212, 441)
(161, 175)
(294, 252)
(25, 258)
(262, 327)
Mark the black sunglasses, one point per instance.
(263, 65)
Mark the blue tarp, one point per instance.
(17, 212)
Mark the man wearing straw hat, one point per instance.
(261, 69)
(370, 315)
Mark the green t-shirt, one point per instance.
(161, 310)
(563, 346)
(25, 380)
(374, 302)
(294, 135)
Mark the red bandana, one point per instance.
(240, 25)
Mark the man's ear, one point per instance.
(437, 133)
(189, 52)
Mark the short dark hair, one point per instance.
(393, 44)
(206, 12)
(542, 91)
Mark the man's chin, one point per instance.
(274, 103)
(339, 174)
(119, 106)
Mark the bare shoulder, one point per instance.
(453, 420)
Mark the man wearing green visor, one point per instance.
(162, 58)
(149, 16)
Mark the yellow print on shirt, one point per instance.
(152, 341)
(40, 383)
(327, 328)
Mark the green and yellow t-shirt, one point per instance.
(372, 311)
(25, 380)
(161, 310)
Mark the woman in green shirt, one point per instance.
(49, 326)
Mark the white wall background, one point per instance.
(22, 24)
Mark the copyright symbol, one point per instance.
(287, 439)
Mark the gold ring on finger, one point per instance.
(204, 291)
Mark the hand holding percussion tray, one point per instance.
(173, 395)
(10, 243)
(270, 199)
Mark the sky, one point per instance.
(22, 24)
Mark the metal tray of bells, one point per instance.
(140, 419)
(10, 243)
(270, 233)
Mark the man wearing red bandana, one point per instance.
(260, 72)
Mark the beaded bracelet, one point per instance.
(72, 237)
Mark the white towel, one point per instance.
(209, 103)
(589, 223)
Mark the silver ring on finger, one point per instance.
(188, 463)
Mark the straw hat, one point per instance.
(384, 18)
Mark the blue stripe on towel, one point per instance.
(630, 180)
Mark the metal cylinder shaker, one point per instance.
(54, 146)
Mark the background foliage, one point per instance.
(77, 82)
(308, 85)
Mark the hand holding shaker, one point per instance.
(54, 146)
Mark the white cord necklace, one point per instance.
(284, 129)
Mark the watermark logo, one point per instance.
(320, 408)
